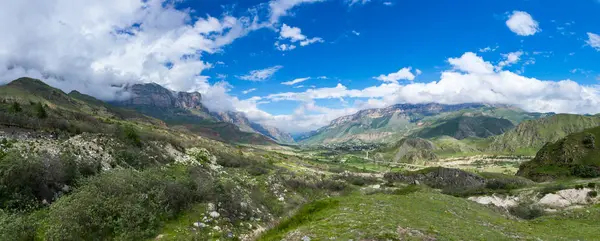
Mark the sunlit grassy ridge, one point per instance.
(425, 215)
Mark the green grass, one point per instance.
(306, 215)
(382, 217)
(180, 228)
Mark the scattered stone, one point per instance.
(214, 214)
(211, 207)
(199, 225)
(498, 201)
(305, 238)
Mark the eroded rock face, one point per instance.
(566, 198)
(158, 100)
(239, 119)
(440, 177)
(191, 100)
(150, 95)
(158, 96)
(497, 200)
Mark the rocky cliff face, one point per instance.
(153, 98)
(240, 120)
(236, 118)
(158, 96)
(274, 133)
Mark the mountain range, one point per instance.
(390, 124)
(186, 108)
(149, 103)
(442, 129)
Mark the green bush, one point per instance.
(15, 107)
(552, 189)
(468, 192)
(26, 182)
(232, 160)
(258, 170)
(303, 184)
(504, 184)
(407, 190)
(585, 171)
(19, 226)
(331, 185)
(130, 135)
(593, 194)
(132, 157)
(121, 204)
(358, 180)
(336, 169)
(304, 215)
(589, 141)
(40, 111)
(526, 211)
(591, 185)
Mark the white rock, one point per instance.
(281, 199)
(566, 198)
(199, 225)
(376, 186)
(214, 214)
(497, 201)
(211, 207)
(305, 238)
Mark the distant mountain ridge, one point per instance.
(392, 123)
(187, 108)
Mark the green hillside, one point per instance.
(467, 126)
(531, 135)
(408, 150)
(427, 215)
(576, 155)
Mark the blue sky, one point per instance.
(366, 40)
(298, 64)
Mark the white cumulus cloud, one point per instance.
(261, 74)
(296, 81)
(471, 63)
(522, 24)
(280, 8)
(470, 80)
(93, 45)
(248, 91)
(594, 40)
(402, 74)
(509, 59)
(352, 2)
(294, 34)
